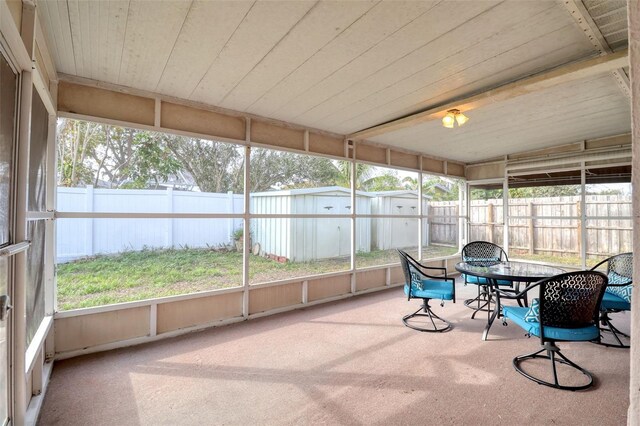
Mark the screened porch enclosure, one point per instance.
(181, 165)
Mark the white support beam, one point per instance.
(633, 9)
(579, 12)
(545, 80)
(42, 87)
(622, 79)
(10, 37)
(20, 273)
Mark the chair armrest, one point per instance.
(424, 267)
(599, 264)
(443, 270)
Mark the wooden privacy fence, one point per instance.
(548, 226)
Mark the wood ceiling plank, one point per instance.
(410, 41)
(374, 26)
(107, 38)
(260, 31)
(523, 38)
(208, 27)
(314, 31)
(47, 33)
(151, 32)
(81, 24)
(63, 13)
(545, 139)
(56, 15)
(546, 131)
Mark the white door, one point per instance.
(8, 95)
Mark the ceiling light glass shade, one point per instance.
(461, 118)
(448, 120)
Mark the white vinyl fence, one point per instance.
(294, 239)
(78, 238)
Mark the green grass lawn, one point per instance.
(558, 259)
(146, 274)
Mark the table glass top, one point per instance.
(517, 271)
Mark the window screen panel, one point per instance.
(8, 87)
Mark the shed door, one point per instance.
(333, 236)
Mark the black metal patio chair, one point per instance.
(482, 253)
(420, 285)
(567, 311)
(617, 297)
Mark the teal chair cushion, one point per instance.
(611, 301)
(431, 289)
(533, 314)
(472, 279)
(615, 278)
(517, 315)
(623, 291)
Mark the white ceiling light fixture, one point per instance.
(454, 116)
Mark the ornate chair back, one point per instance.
(571, 300)
(483, 253)
(620, 268)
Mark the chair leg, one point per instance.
(554, 355)
(607, 327)
(428, 313)
(481, 300)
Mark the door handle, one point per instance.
(4, 306)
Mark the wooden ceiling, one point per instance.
(343, 66)
(584, 109)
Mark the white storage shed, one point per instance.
(390, 233)
(308, 239)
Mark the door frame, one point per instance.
(13, 248)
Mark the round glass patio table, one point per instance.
(523, 272)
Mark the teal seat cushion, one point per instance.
(431, 289)
(517, 315)
(622, 291)
(611, 301)
(472, 279)
(533, 314)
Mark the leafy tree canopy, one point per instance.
(116, 157)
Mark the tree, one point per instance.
(95, 154)
(441, 188)
(545, 191)
(214, 166)
(77, 141)
(151, 161)
(119, 157)
(286, 170)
